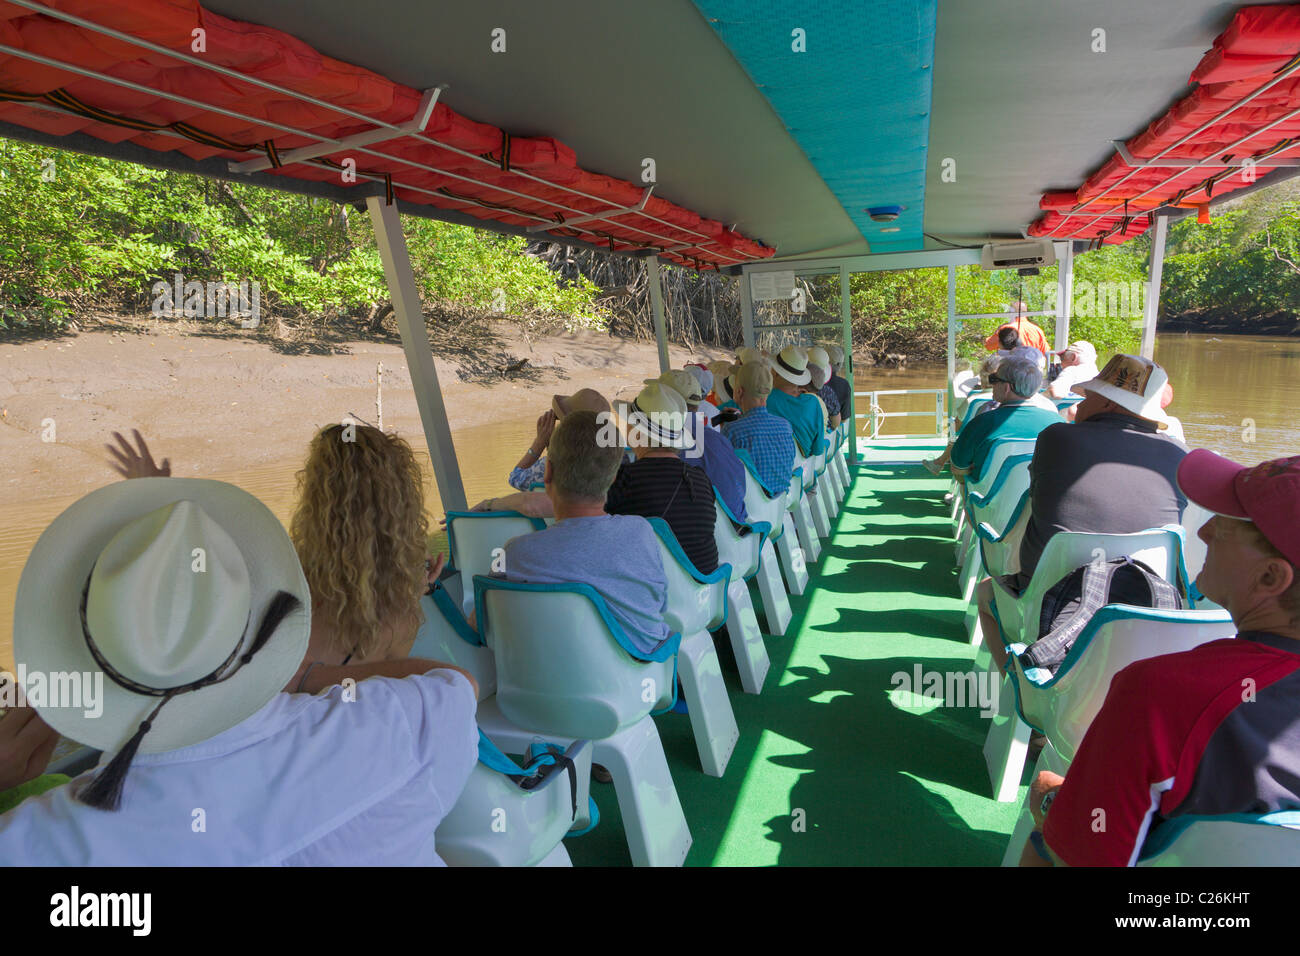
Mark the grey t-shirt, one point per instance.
(1110, 474)
(618, 555)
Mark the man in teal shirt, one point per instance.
(803, 411)
(1016, 381)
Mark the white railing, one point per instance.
(876, 416)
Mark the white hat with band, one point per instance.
(792, 365)
(659, 415)
(185, 594)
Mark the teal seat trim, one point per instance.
(1163, 836)
(483, 583)
(538, 525)
(453, 615)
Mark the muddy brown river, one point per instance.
(1237, 395)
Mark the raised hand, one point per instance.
(545, 426)
(435, 566)
(26, 744)
(136, 463)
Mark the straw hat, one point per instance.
(748, 354)
(683, 383)
(727, 386)
(792, 365)
(583, 400)
(1133, 383)
(819, 366)
(157, 585)
(836, 355)
(659, 414)
(720, 369)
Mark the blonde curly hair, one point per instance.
(361, 534)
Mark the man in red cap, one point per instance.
(1214, 730)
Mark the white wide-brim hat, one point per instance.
(150, 622)
(792, 365)
(660, 414)
(1133, 383)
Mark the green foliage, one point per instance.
(907, 311)
(82, 232)
(1096, 273)
(1245, 261)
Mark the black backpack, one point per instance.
(1069, 604)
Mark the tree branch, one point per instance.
(1268, 244)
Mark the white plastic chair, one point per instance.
(697, 604)
(817, 507)
(764, 508)
(446, 636)
(1063, 707)
(840, 458)
(847, 438)
(827, 483)
(998, 540)
(1194, 518)
(834, 465)
(1008, 736)
(1270, 839)
(997, 522)
(564, 671)
(1001, 452)
(797, 501)
(495, 823)
(974, 402)
(961, 379)
(762, 505)
(826, 462)
(743, 552)
(476, 539)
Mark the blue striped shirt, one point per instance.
(769, 440)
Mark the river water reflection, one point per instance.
(1236, 395)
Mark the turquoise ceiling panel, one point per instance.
(851, 81)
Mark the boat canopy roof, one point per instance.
(767, 129)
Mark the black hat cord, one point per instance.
(105, 791)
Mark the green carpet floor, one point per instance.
(837, 763)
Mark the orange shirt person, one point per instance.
(1030, 334)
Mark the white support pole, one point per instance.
(952, 322)
(657, 310)
(1153, 288)
(1064, 295)
(419, 357)
(846, 317)
(746, 311)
